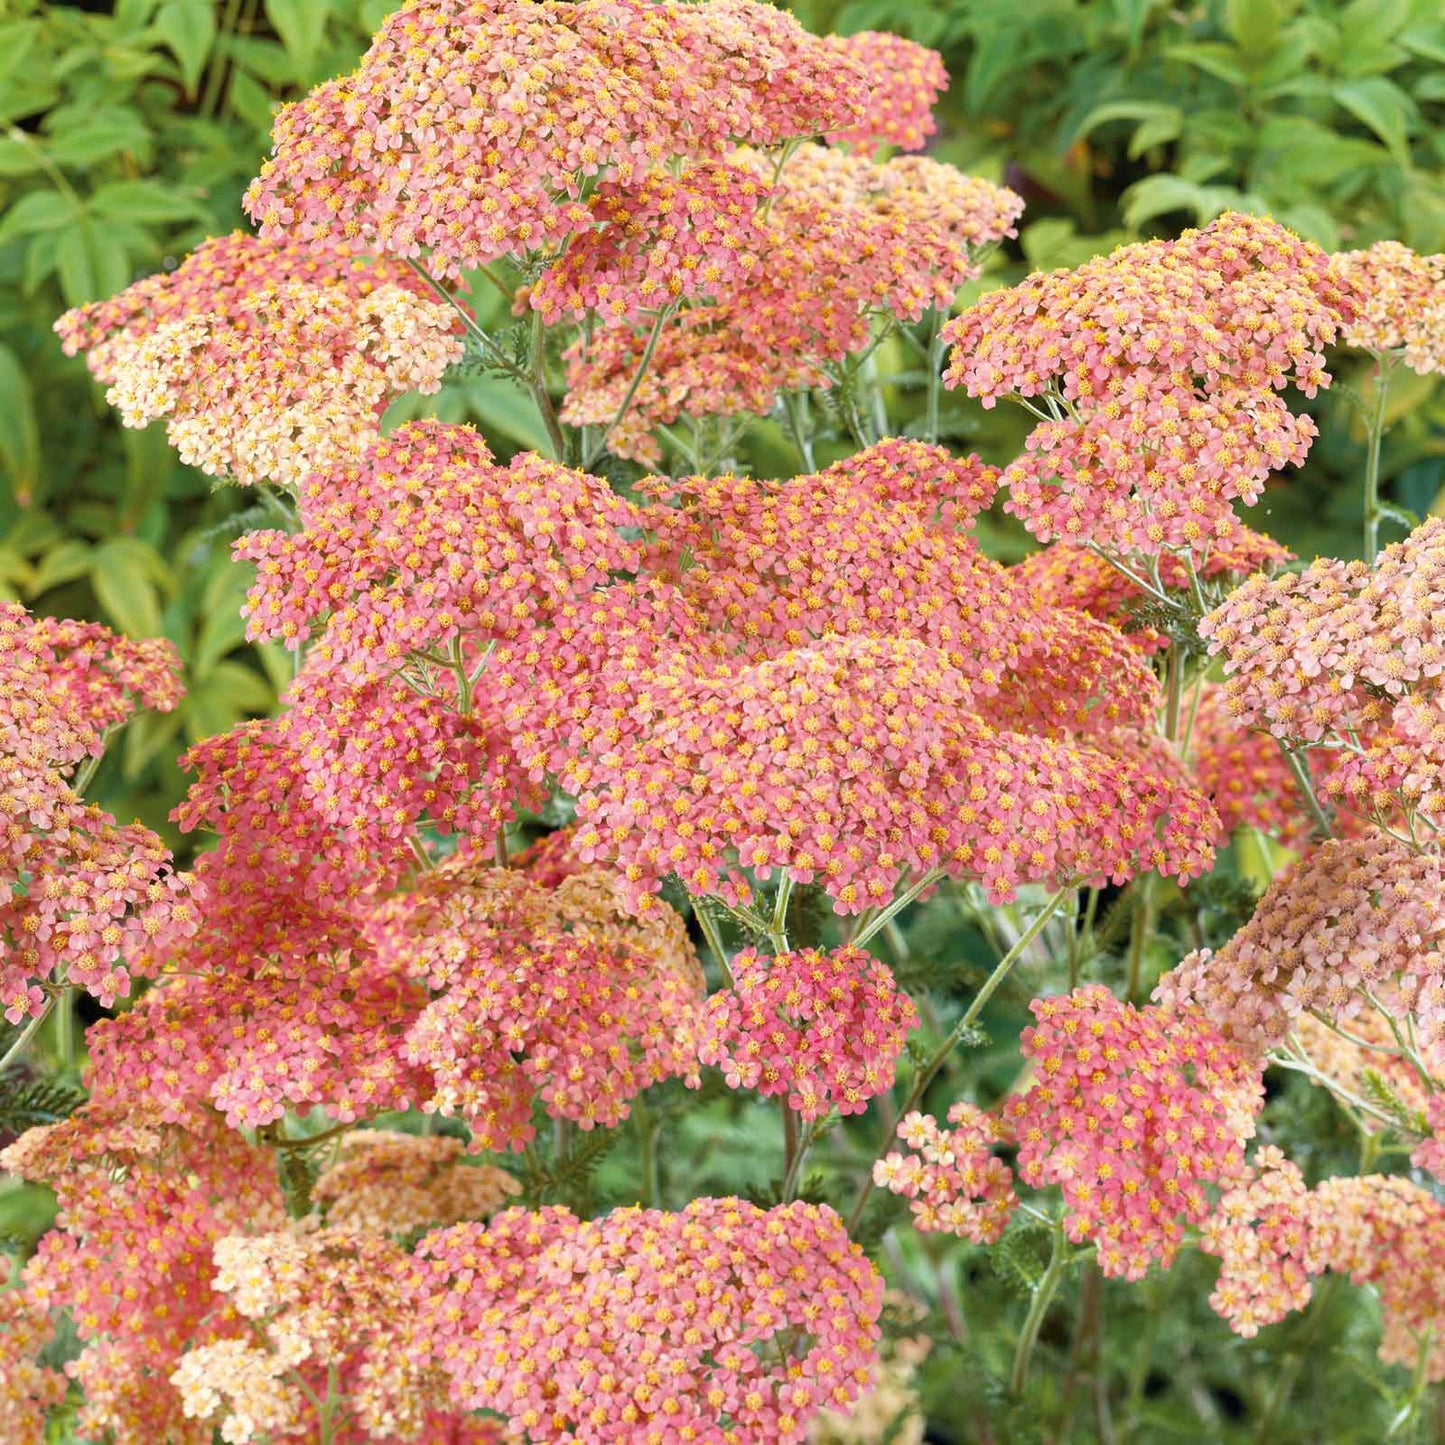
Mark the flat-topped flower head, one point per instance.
(540, 993)
(721, 1322)
(1161, 367)
(1399, 304)
(470, 127)
(1353, 917)
(660, 242)
(905, 80)
(266, 360)
(1132, 1112)
(950, 1176)
(823, 1028)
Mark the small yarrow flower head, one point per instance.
(77, 890)
(905, 80)
(1132, 1112)
(1352, 918)
(29, 1390)
(266, 360)
(1162, 366)
(647, 1327)
(1399, 304)
(1261, 1233)
(824, 1028)
(397, 1183)
(951, 1177)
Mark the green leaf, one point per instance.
(1254, 26)
(62, 563)
(19, 429)
(1368, 24)
(188, 28)
(123, 574)
(1133, 15)
(92, 263)
(1426, 41)
(1160, 130)
(224, 629)
(1146, 111)
(149, 202)
(36, 212)
(145, 736)
(1159, 195)
(301, 24)
(17, 158)
(1383, 107)
(112, 134)
(1213, 57)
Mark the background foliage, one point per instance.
(127, 134)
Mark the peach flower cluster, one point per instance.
(724, 1322)
(1157, 373)
(1400, 304)
(1132, 1112)
(266, 360)
(824, 1028)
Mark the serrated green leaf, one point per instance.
(62, 563)
(188, 28)
(124, 581)
(39, 211)
(301, 24)
(1381, 105)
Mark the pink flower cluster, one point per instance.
(1399, 304)
(848, 240)
(724, 1322)
(822, 1027)
(1354, 918)
(266, 360)
(1160, 370)
(655, 244)
(1350, 657)
(905, 80)
(77, 890)
(28, 1389)
(1132, 1112)
(471, 126)
(952, 1180)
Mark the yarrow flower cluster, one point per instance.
(723, 1322)
(1159, 370)
(1132, 1113)
(905, 80)
(822, 1028)
(79, 890)
(28, 1389)
(487, 156)
(265, 359)
(1399, 304)
(952, 1179)
(1354, 919)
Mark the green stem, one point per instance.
(26, 1034)
(881, 919)
(646, 1126)
(708, 924)
(936, 349)
(929, 1071)
(1374, 438)
(540, 394)
(328, 1407)
(1044, 1294)
(654, 336)
(1297, 765)
(1141, 924)
(65, 1029)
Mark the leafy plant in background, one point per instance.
(687, 842)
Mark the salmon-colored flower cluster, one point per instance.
(1132, 1113)
(28, 1389)
(470, 126)
(1352, 918)
(824, 1028)
(952, 1179)
(1350, 657)
(77, 890)
(655, 244)
(266, 360)
(539, 994)
(396, 1183)
(905, 80)
(1399, 303)
(723, 1322)
(1159, 370)
(849, 240)
(142, 1203)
